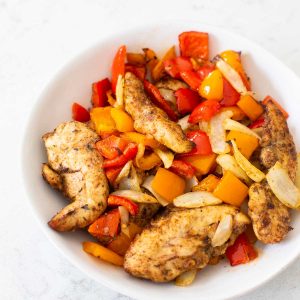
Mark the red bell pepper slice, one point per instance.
(182, 168)
(129, 153)
(204, 111)
(269, 98)
(194, 44)
(257, 123)
(112, 174)
(192, 79)
(230, 95)
(79, 113)
(99, 89)
(139, 72)
(201, 141)
(241, 252)
(118, 66)
(179, 64)
(106, 226)
(111, 147)
(204, 70)
(159, 101)
(132, 207)
(186, 100)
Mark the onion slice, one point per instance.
(140, 153)
(254, 173)
(166, 156)
(184, 123)
(124, 215)
(147, 184)
(190, 183)
(168, 95)
(130, 183)
(237, 126)
(282, 186)
(124, 172)
(186, 278)
(217, 133)
(196, 199)
(231, 75)
(223, 231)
(135, 196)
(119, 92)
(228, 163)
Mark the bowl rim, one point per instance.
(59, 72)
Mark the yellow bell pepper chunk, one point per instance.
(211, 87)
(208, 184)
(231, 190)
(124, 122)
(250, 107)
(202, 163)
(238, 114)
(167, 184)
(139, 138)
(101, 117)
(246, 143)
(148, 162)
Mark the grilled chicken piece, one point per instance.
(170, 84)
(149, 119)
(270, 218)
(180, 240)
(75, 167)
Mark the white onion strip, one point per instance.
(223, 231)
(135, 196)
(166, 156)
(147, 184)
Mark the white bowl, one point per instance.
(73, 83)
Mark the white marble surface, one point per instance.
(36, 39)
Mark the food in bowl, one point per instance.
(176, 165)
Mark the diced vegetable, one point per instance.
(118, 66)
(159, 68)
(132, 207)
(204, 111)
(228, 163)
(136, 59)
(250, 107)
(111, 147)
(202, 163)
(230, 95)
(102, 119)
(168, 95)
(223, 231)
(269, 98)
(124, 172)
(151, 58)
(208, 184)
(79, 113)
(106, 226)
(190, 183)
(237, 113)
(184, 123)
(135, 196)
(139, 138)
(99, 90)
(132, 230)
(159, 101)
(124, 215)
(191, 78)
(201, 141)
(217, 133)
(132, 182)
(196, 199)
(176, 65)
(186, 100)
(148, 162)
(139, 72)
(112, 174)
(120, 244)
(110, 98)
(211, 87)
(282, 186)
(103, 253)
(236, 126)
(257, 123)
(231, 190)
(246, 143)
(182, 168)
(124, 122)
(147, 184)
(167, 184)
(254, 173)
(241, 252)
(186, 278)
(204, 68)
(128, 154)
(165, 155)
(194, 44)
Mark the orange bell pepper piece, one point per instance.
(167, 184)
(208, 184)
(136, 59)
(139, 138)
(149, 161)
(103, 253)
(231, 190)
(202, 163)
(123, 120)
(250, 107)
(120, 244)
(101, 117)
(151, 58)
(238, 114)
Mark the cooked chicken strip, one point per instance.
(180, 240)
(75, 168)
(270, 218)
(149, 119)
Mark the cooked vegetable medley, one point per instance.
(176, 165)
